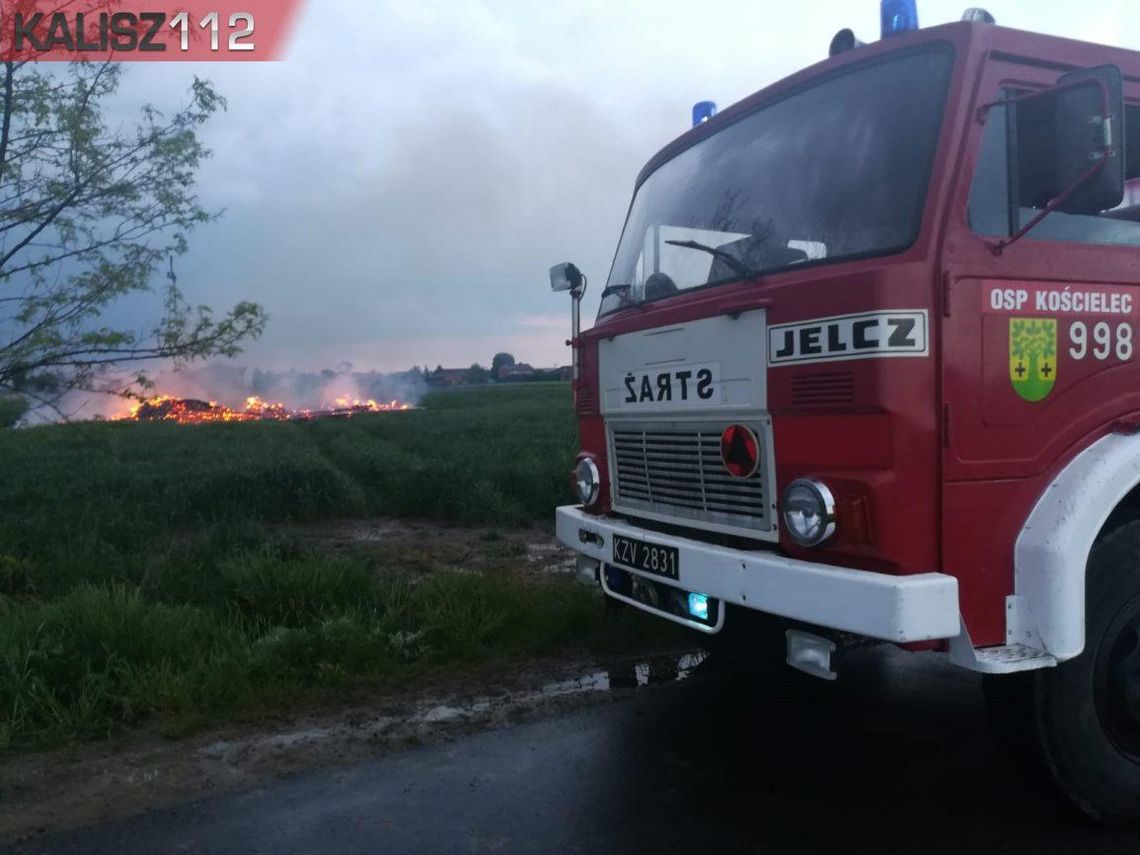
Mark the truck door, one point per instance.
(1038, 341)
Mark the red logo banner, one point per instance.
(145, 30)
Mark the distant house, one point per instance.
(443, 378)
(520, 371)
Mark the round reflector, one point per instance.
(740, 451)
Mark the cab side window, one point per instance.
(1015, 177)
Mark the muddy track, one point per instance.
(82, 785)
(87, 783)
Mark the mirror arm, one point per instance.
(999, 247)
(1090, 173)
(983, 111)
(576, 295)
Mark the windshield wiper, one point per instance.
(626, 292)
(728, 258)
(610, 290)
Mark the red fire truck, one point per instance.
(865, 368)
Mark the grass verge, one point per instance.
(144, 576)
(102, 659)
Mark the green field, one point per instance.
(161, 573)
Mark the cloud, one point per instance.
(545, 322)
(398, 187)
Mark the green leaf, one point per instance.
(95, 210)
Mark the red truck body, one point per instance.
(934, 442)
(936, 461)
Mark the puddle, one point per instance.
(629, 675)
(552, 558)
(419, 721)
(376, 532)
(626, 675)
(86, 784)
(623, 675)
(446, 713)
(597, 682)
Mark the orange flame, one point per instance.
(187, 411)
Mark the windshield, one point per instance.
(837, 170)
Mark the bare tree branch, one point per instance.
(88, 214)
(6, 128)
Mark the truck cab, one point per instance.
(865, 366)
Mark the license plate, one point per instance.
(659, 560)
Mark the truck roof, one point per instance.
(972, 41)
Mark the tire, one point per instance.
(1079, 723)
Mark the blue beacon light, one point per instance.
(703, 111)
(699, 606)
(898, 16)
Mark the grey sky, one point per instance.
(398, 186)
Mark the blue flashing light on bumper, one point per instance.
(699, 606)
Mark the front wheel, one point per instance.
(1081, 720)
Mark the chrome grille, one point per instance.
(675, 472)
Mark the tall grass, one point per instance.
(141, 578)
(104, 658)
(98, 500)
(12, 410)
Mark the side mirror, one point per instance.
(565, 277)
(1088, 115)
(1065, 148)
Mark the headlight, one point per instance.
(809, 512)
(588, 481)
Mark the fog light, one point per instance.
(810, 654)
(587, 480)
(588, 570)
(699, 606)
(808, 512)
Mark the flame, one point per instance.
(187, 411)
(259, 409)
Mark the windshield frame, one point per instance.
(757, 103)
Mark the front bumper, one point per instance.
(920, 607)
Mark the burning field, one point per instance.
(171, 577)
(189, 411)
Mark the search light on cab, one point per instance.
(844, 41)
(703, 111)
(898, 16)
(978, 16)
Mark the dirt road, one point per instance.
(896, 757)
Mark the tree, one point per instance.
(91, 208)
(12, 409)
(476, 374)
(499, 361)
